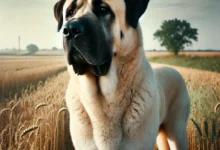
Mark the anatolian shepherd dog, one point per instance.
(116, 101)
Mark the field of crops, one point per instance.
(37, 117)
(36, 120)
(17, 72)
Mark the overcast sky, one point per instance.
(33, 20)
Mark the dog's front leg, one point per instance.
(107, 131)
(107, 136)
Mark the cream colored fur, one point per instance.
(125, 109)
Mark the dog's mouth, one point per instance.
(82, 65)
(101, 70)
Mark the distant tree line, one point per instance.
(33, 48)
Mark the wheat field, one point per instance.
(37, 118)
(17, 72)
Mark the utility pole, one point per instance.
(19, 43)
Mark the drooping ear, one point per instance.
(134, 10)
(58, 9)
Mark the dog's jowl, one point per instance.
(116, 100)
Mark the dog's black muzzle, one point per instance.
(88, 46)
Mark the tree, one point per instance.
(54, 48)
(32, 48)
(175, 34)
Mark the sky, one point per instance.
(34, 21)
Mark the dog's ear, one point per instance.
(134, 10)
(58, 9)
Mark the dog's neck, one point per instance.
(119, 81)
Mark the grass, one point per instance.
(38, 119)
(203, 63)
(151, 54)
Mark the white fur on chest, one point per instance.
(112, 122)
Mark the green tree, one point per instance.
(175, 34)
(32, 48)
(54, 48)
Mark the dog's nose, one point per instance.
(72, 29)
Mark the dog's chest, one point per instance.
(129, 124)
(96, 120)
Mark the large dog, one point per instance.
(115, 99)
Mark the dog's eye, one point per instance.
(103, 8)
(70, 13)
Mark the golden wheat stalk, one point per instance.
(20, 145)
(38, 120)
(11, 114)
(21, 127)
(15, 106)
(217, 106)
(11, 103)
(4, 110)
(39, 106)
(26, 131)
(61, 110)
(57, 124)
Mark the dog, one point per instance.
(115, 99)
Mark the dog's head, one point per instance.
(94, 31)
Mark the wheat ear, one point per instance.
(217, 106)
(39, 106)
(26, 131)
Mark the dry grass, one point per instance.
(39, 120)
(189, 54)
(18, 72)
